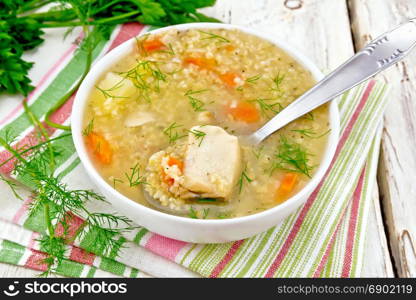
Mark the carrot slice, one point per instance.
(167, 179)
(245, 112)
(229, 47)
(229, 78)
(286, 186)
(100, 148)
(171, 162)
(174, 161)
(200, 61)
(153, 45)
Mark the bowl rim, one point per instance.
(104, 63)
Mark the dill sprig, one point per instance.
(192, 213)
(134, 178)
(290, 156)
(213, 36)
(309, 116)
(258, 151)
(115, 181)
(243, 178)
(89, 128)
(277, 82)
(310, 133)
(109, 93)
(172, 132)
(205, 213)
(197, 104)
(141, 72)
(199, 135)
(206, 200)
(253, 79)
(12, 185)
(268, 108)
(56, 200)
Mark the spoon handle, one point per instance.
(378, 55)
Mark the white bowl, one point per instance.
(187, 229)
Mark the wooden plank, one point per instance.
(397, 171)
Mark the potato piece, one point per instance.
(139, 118)
(117, 86)
(213, 164)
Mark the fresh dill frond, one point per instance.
(8, 136)
(199, 135)
(291, 156)
(140, 74)
(223, 216)
(169, 50)
(56, 249)
(213, 36)
(197, 104)
(115, 181)
(89, 128)
(253, 79)
(172, 132)
(243, 178)
(277, 82)
(56, 200)
(310, 133)
(205, 213)
(192, 92)
(207, 200)
(309, 116)
(258, 152)
(134, 178)
(192, 213)
(108, 93)
(268, 108)
(12, 185)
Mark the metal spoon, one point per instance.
(378, 55)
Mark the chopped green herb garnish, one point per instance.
(140, 73)
(310, 133)
(253, 79)
(196, 104)
(213, 36)
(191, 92)
(244, 177)
(290, 156)
(88, 129)
(115, 181)
(309, 116)
(134, 178)
(205, 213)
(108, 92)
(267, 107)
(210, 200)
(172, 132)
(192, 213)
(257, 153)
(277, 81)
(223, 216)
(199, 135)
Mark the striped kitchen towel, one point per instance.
(325, 237)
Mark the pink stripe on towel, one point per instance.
(164, 246)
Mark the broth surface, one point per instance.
(150, 100)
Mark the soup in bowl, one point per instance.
(160, 122)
